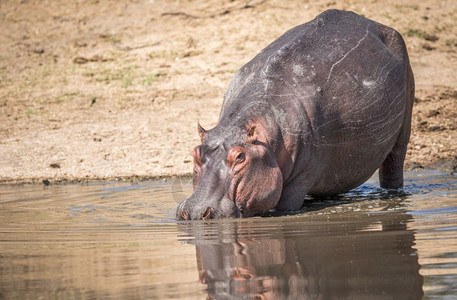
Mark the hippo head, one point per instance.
(235, 174)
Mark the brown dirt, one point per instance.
(104, 89)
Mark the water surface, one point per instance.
(120, 240)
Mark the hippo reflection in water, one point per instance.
(280, 258)
(317, 112)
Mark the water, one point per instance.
(120, 240)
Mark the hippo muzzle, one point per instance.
(201, 209)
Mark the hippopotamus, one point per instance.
(316, 112)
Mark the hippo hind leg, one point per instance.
(391, 170)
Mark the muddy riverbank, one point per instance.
(114, 89)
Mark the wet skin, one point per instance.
(318, 111)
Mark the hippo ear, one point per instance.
(252, 133)
(201, 132)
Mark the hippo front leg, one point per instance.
(292, 198)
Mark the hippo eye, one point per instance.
(236, 155)
(240, 157)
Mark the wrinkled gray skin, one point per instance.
(317, 112)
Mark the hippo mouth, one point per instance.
(238, 204)
(225, 208)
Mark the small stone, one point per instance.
(415, 165)
(430, 37)
(38, 51)
(436, 128)
(433, 113)
(428, 47)
(80, 60)
(80, 44)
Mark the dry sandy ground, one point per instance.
(104, 89)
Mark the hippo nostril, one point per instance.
(207, 214)
(184, 215)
